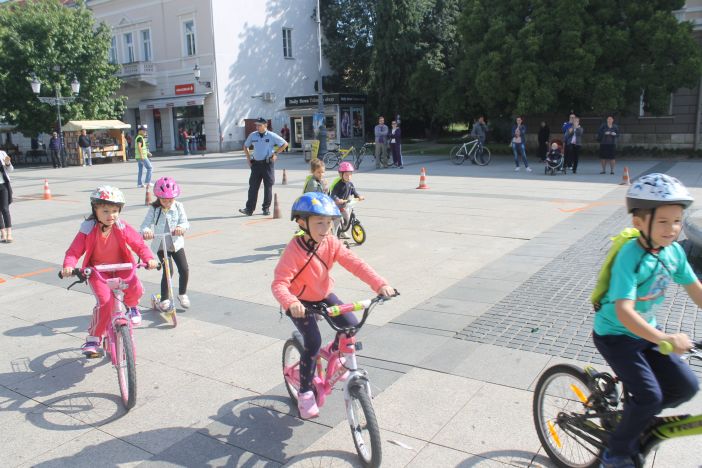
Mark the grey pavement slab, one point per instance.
(433, 320)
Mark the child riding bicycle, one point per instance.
(315, 182)
(105, 239)
(302, 279)
(342, 189)
(625, 330)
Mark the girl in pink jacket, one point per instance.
(105, 239)
(302, 279)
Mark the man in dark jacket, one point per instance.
(85, 148)
(55, 149)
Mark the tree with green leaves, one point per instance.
(534, 56)
(57, 43)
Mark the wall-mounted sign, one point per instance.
(184, 89)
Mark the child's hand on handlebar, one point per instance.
(148, 234)
(66, 272)
(152, 264)
(386, 291)
(681, 342)
(297, 310)
(361, 197)
(178, 231)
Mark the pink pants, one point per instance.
(102, 312)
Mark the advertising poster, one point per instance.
(346, 122)
(357, 114)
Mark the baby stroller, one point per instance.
(555, 162)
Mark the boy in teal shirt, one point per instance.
(625, 330)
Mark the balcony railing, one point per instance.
(138, 72)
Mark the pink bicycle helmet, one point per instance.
(166, 187)
(345, 167)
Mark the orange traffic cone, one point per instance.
(47, 192)
(285, 178)
(423, 180)
(625, 178)
(276, 207)
(147, 200)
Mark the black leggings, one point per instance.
(182, 264)
(5, 221)
(313, 340)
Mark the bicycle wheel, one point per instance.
(126, 366)
(561, 395)
(358, 233)
(331, 159)
(359, 159)
(482, 158)
(457, 155)
(292, 350)
(364, 427)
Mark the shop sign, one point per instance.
(307, 101)
(184, 89)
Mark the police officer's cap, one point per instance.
(261, 120)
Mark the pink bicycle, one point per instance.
(357, 389)
(119, 341)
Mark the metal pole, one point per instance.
(320, 103)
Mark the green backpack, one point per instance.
(605, 274)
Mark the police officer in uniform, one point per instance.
(261, 164)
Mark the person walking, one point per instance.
(55, 149)
(5, 197)
(396, 145)
(544, 135)
(85, 148)
(573, 143)
(261, 163)
(519, 144)
(285, 133)
(607, 135)
(381, 144)
(184, 141)
(142, 155)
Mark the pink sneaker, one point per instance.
(307, 405)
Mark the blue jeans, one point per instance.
(654, 381)
(145, 162)
(520, 146)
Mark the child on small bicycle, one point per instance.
(167, 216)
(104, 239)
(302, 279)
(342, 189)
(625, 330)
(316, 182)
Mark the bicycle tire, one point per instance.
(482, 159)
(126, 367)
(457, 155)
(292, 350)
(359, 159)
(331, 159)
(358, 233)
(361, 406)
(565, 449)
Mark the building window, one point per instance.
(128, 48)
(287, 43)
(112, 58)
(146, 45)
(189, 31)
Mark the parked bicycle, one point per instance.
(358, 233)
(119, 340)
(357, 389)
(334, 157)
(576, 410)
(474, 150)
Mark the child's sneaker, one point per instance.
(91, 349)
(165, 305)
(134, 315)
(516, 169)
(609, 461)
(528, 169)
(307, 405)
(184, 301)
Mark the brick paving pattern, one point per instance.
(550, 313)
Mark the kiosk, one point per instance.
(106, 136)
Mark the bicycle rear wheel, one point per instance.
(364, 427)
(126, 366)
(560, 397)
(331, 159)
(292, 350)
(359, 159)
(482, 158)
(457, 155)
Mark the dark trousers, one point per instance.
(572, 155)
(260, 171)
(654, 382)
(56, 158)
(183, 272)
(396, 149)
(5, 221)
(307, 326)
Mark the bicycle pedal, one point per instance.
(93, 355)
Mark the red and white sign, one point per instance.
(184, 89)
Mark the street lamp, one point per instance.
(322, 136)
(196, 73)
(57, 100)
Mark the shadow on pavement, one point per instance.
(274, 252)
(75, 324)
(516, 458)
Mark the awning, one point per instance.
(174, 101)
(78, 125)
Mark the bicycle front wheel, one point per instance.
(331, 159)
(482, 158)
(560, 397)
(359, 159)
(364, 427)
(358, 233)
(457, 155)
(126, 366)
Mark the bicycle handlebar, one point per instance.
(83, 274)
(665, 348)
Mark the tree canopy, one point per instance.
(57, 43)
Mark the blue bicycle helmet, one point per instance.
(314, 204)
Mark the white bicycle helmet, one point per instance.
(107, 194)
(654, 190)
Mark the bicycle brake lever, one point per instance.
(73, 284)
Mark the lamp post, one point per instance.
(320, 100)
(56, 101)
